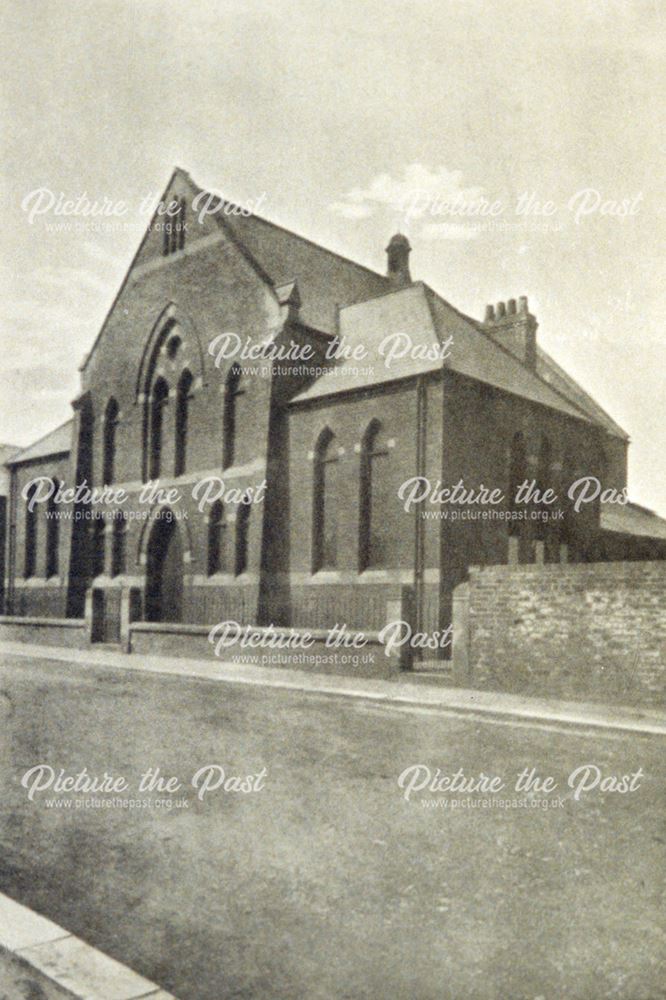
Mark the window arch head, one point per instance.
(325, 450)
(173, 346)
(371, 436)
(185, 382)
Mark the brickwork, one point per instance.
(592, 630)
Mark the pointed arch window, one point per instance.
(174, 226)
(183, 397)
(52, 534)
(232, 393)
(242, 538)
(373, 497)
(159, 400)
(324, 503)
(110, 428)
(216, 539)
(30, 555)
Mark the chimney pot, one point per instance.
(501, 310)
(522, 304)
(490, 314)
(511, 307)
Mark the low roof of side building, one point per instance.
(56, 442)
(632, 519)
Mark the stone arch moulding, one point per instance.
(171, 315)
(147, 527)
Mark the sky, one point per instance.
(350, 120)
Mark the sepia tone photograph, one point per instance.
(333, 500)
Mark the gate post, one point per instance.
(130, 611)
(94, 614)
(461, 634)
(403, 608)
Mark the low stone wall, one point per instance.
(166, 639)
(586, 630)
(70, 632)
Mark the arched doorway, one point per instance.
(164, 573)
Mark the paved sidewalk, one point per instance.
(455, 700)
(40, 959)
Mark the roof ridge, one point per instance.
(298, 236)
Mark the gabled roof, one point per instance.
(632, 519)
(429, 321)
(333, 289)
(56, 442)
(325, 279)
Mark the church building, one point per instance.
(260, 403)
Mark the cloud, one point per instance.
(418, 193)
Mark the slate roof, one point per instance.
(428, 320)
(632, 519)
(56, 442)
(333, 289)
(325, 279)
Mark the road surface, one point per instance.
(325, 883)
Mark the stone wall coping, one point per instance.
(611, 567)
(45, 622)
(67, 961)
(182, 629)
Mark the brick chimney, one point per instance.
(398, 252)
(514, 328)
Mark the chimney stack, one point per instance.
(398, 252)
(515, 328)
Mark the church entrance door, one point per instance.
(164, 577)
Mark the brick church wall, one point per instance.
(590, 630)
(39, 596)
(345, 595)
